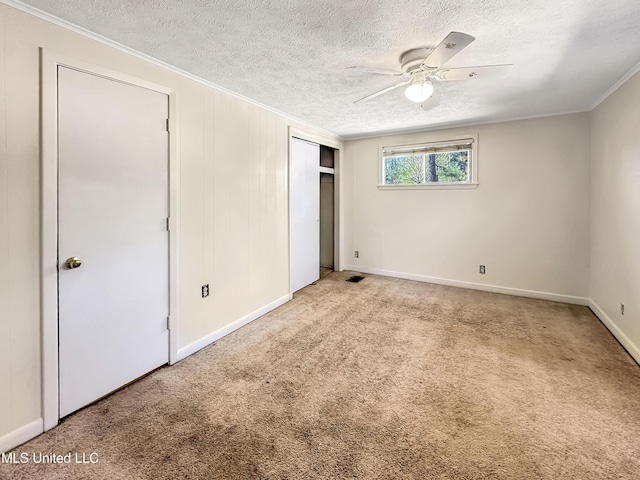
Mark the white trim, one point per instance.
(617, 85)
(49, 246)
(327, 170)
(49, 204)
(616, 331)
(21, 435)
(452, 125)
(174, 223)
(431, 186)
(147, 58)
(553, 297)
(315, 138)
(227, 329)
(338, 212)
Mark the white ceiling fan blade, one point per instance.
(378, 71)
(447, 49)
(384, 90)
(469, 73)
(430, 102)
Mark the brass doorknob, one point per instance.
(73, 262)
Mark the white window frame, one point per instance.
(448, 140)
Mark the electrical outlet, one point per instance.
(482, 269)
(356, 254)
(622, 309)
(205, 290)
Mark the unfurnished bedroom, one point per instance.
(320, 240)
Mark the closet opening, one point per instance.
(327, 208)
(312, 212)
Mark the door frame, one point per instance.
(338, 233)
(49, 62)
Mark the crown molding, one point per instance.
(447, 126)
(616, 86)
(344, 137)
(149, 59)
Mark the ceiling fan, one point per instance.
(419, 66)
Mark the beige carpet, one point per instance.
(382, 379)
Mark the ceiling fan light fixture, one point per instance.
(419, 91)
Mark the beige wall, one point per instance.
(233, 203)
(528, 220)
(615, 213)
(19, 230)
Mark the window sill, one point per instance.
(433, 186)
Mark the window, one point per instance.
(444, 164)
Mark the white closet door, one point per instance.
(304, 211)
(113, 204)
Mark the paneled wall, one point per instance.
(6, 422)
(615, 213)
(233, 221)
(234, 227)
(20, 399)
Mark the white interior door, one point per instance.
(304, 213)
(113, 205)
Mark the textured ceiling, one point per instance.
(291, 54)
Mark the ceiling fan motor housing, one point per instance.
(412, 59)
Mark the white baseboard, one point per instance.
(212, 337)
(554, 297)
(21, 435)
(616, 331)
